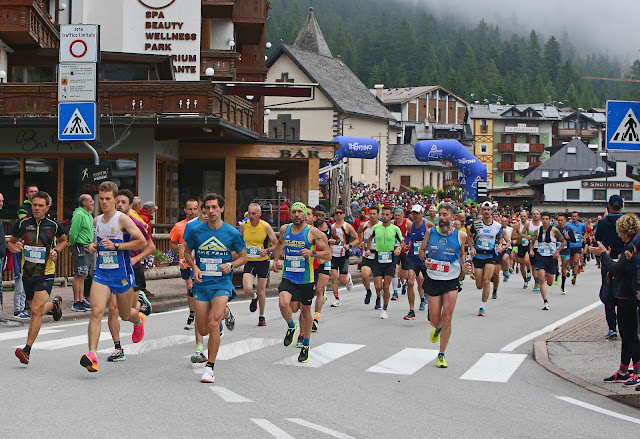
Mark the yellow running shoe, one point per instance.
(441, 362)
(472, 276)
(435, 334)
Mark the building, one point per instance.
(406, 171)
(510, 139)
(342, 104)
(586, 126)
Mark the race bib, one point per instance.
(525, 241)
(438, 266)
(384, 257)
(485, 243)
(253, 251)
(545, 252)
(327, 265)
(34, 254)
(210, 267)
(416, 247)
(108, 259)
(294, 264)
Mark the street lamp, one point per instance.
(3, 76)
(209, 72)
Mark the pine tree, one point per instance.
(552, 58)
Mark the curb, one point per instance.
(541, 355)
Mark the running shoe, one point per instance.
(189, 324)
(384, 315)
(633, 380)
(198, 357)
(525, 286)
(288, 338)
(536, 288)
(563, 291)
(138, 331)
(77, 307)
(435, 334)
(230, 321)
(349, 282)
(611, 335)
(506, 275)
(262, 321)
(324, 297)
(221, 330)
(404, 289)
(314, 326)
(145, 305)
(378, 305)
(472, 276)
(336, 303)
(367, 298)
(528, 278)
(481, 312)
(90, 362)
(57, 308)
(394, 296)
(617, 377)
(22, 356)
(556, 280)
(253, 306)
(423, 303)
(117, 355)
(573, 280)
(86, 305)
(546, 306)
(21, 315)
(399, 283)
(299, 341)
(411, 315)
(494, 295)
(304, 354)
(441, 362)
(207, 375)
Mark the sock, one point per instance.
(495, 291)
(210, 364)
(335, 294)
(395, 284)
(368, 291)
(305, 341)
(261, 315)
(384, 307)
(199, 347)
(94, 351)
(316, 317)
(255, 296)
(440, 354)
(117, 344)
(546, 301)
(292, 324)
(564, 278)
(191, 314)
(483, 304)
(27, 349)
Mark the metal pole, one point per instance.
(279, 211)
(96, 161)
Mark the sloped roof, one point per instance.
(497, 111)
(404, 155)
(310, 37)
(404, 94)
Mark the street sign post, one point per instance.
(77, 82)
(623, 127)
(482, 188)
(77, 121)
(79, 43)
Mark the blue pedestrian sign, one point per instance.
(623, 127)
(77, 121)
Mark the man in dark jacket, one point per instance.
(606, 234)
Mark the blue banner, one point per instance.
(356, 147)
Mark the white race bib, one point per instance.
(545, 251)
(525, 241)
(34, 254)
(485, 243)
(385, 257)
(108, 259)
(210, 267)
(253, 251)
(416, 247)
(294, 264)
(438, 266)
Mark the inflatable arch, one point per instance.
(453, 151)
(356, 148)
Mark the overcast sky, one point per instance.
(607, 26)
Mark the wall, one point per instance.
(419, 176)
(110, 15)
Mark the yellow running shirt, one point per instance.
(254, 237)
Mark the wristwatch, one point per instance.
(116, 245)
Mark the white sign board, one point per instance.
(79, 43)
(314, 198)
(520, 166)
(522, 128)
(77, 82)
(521, 147)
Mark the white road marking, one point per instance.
(405, 362)
(514, 345)
(496, 368)
(241, 347)
(23, 333)
(272, 429)
(323, 354)
(228, 395)
(319, 428)
(61, 343)
(152, 345)
(598, 409)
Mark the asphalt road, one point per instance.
(367, 378)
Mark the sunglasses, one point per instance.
(320, 215)
(339, 213)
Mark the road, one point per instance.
(375, 378)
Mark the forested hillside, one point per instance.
(387, 42)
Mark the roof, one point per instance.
(599, 118)
(525, 112)
(405, 94)
(404, 155)
(310, 37)
(631, 157)
(564, 165)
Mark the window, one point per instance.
(484, 149)
(33, 74)
(573, 194)
(509, 177)
(626, 194)
(10, 183)
(507, 157)
(484, 126)
(405, 181)
(534, 158)
(599, 194)
(127, 72)
(507, 138)
(534, 138)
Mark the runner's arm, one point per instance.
(277, 252)
(560, 238)
(137, 239)
(352, 232)
(324, 239)
(425, 243)
(273, 239)
(323, 253)
(534, 239)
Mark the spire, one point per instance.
(310, 37)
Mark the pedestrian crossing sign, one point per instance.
(77, 121)
(623, 126)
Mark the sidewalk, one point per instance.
(578, 352)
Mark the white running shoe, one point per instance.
(349, 282)
(384, 315)
(336, 303)
(546, 306)
(207, 375)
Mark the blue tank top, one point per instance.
(112, 264)
(414, 239)
(297, 268)
(444, 252)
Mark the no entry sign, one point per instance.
(79, 43)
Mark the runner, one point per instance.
(40, 239)
(116, 234)
(443, 248)
(323, 271)
(417, 269)
(300, 243)
(432, 215)
(548, 251)
(523, 242)
(485, 239)
(141, 303)
(255, 233)
(565, 253)
(368, 262)
(534, 225)
(387, 253)
(503, 258)
(213, 266)
(402, 270)
(575, 248)
(340, 253)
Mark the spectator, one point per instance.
(3, 252)
(80, 237)
(354, 208)
(146, 213)
(24, 210)
(284, 212)
(362, 218)
(136, 204)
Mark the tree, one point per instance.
(552, 58)
(571, 97)
(469, 66)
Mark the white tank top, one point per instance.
(532, 230)
(547, 248)
(339, 250)
(366, 234)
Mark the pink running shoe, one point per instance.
(90, 362)
(138, 331)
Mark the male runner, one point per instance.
(123, 204)
(523, 240)
(432, 215)
(300, 243)
(255, 233)
(213, 266)
(503, 259)
(565, 253)
(116, 234)
(575, 248)
(413, 240)
(40, 239)
(387, 254)
(484, 239)
(546, 264)
(443, 253)
(323, 274)
(534, 225)
(364, 232)
(402, 270)
(340, 253)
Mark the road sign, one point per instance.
(77, 82)
(79, 43)
(77, 121)
(623, 126)
(482, 188)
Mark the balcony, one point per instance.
(505, 166)
(25, 23)
(135, 99)
(250, 11)
(536, 147)
(223, 62)
(572, 132)
(217, 8)
(534, 164)
(505, 147)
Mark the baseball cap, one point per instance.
(616, 201)
(150, 204)
(417, 208)
(487, 204)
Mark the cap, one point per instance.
(487, 203)
(417, 208)
(149, 204)
(616, 201)
(299, 206)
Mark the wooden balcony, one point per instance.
(534, 164)
(573, 132)
(25, 23)
(250, 11)
(135, 99)
(223, 62)
(505, 147)
(217, 8)
(505, 166)
(536, 147)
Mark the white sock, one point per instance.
(483, 304)
(255, 295)
(395, 284)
